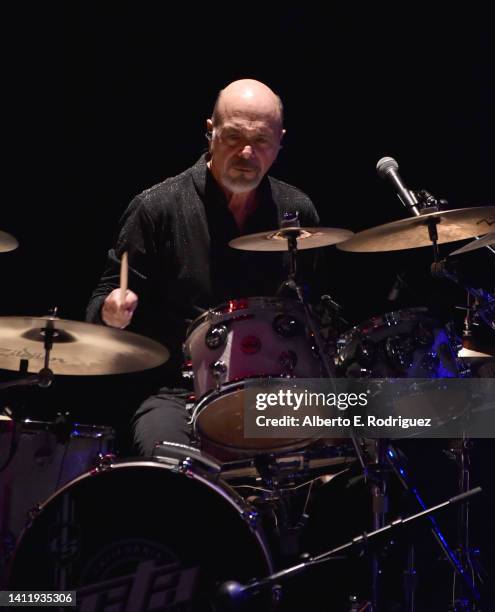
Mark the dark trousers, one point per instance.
(162, 418)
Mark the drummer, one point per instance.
(176, 235)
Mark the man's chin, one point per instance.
(240, 186)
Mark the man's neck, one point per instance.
(241, 205)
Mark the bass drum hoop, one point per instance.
(245, 512)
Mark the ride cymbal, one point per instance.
(413, 232)
(276, 240)
(78, 349)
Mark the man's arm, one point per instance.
(135, 237)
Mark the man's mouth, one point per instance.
(244, 168)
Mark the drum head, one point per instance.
(143, 535)
(220, 426)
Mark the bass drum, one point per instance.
(159, 534)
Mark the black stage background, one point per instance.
(108, 100)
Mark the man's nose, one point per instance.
(246, 151)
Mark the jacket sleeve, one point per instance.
(136, 235)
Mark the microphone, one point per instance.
(387, 168)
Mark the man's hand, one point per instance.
(117, 313)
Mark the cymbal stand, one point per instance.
(485, 302)
(460, 452)
(45, 376)
(290, 230)
(401, 471)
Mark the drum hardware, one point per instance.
(104, 462)
(183, 458)
(484, 302)
(232, 594)
(291, 231)
(218, 369)
(460, 451)
(401, 470)
(292, 467)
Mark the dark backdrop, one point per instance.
(107, 99)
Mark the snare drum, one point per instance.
(139, 535)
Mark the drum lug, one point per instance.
(218, 369)
(216, 337)
(104, 462)
(187, 370)
(251, 517)
(33, 513)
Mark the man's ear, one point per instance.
(209, 129)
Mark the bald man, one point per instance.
(176, 235)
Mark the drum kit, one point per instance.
(223, 523)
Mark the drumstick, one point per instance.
(123, 276)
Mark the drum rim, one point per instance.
(246, 513)
(378, 321)
(225, 390)
(216, 311)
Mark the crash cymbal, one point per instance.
(411, 233)
(487, 240)
(275, 240)
(78, 348)
(7, 242)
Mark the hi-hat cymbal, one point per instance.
(78, 348)
(488, 240)
(7, 242)
(276, 240)
(411, 233)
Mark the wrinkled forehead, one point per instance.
(249, 114)
(250, 125)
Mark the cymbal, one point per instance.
(487, 240)
(411, 233)
(7, 242)
(78, 348)
(473, 349)
(275, 240)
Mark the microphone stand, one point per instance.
(232, 594)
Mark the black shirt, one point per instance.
(176, 234)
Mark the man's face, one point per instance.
(243, 147)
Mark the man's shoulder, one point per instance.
(284, 189)
(164, 194)
(291, 197)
